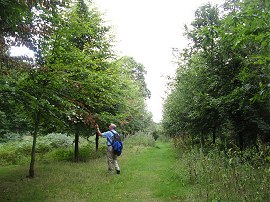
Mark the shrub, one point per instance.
(58, 140)
(15, 152)
(7, 155)
(60, 154)
(10, 137)
(54, 146)
(23, 148)
(140, 139)
(86, 152)
(43, 147)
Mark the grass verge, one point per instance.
(146, 175)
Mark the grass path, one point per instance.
(146, 175)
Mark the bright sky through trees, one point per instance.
(148, 30)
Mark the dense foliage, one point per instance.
(221, 88)
(74, 80)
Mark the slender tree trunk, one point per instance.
(76, 153)
(33, 153)
(97, 138)
(192, 140)
(202, 142)
(241, 141)
(214, 135)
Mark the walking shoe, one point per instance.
(110, 171)
(118, 172)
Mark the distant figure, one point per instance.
(112, 157)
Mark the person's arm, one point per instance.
(97, 129)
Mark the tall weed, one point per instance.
(226, 176)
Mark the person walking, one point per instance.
(112, 158)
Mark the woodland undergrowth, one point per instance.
(227, 175)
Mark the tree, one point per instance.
(26, 83)
(221, 85)
(247, 54)
(14, 19)
(72, 81)
(134, 91)
(196, 86)
(137, 72)
(79, 52)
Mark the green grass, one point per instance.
(147, 174)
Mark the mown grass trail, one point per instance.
(147, 174)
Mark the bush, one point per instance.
(86, 152)
(140, 139)
(57, 140)
(54, 146)
(10, 137)
(60, 154)
(23, 148)
(15, 152)
(43, 147)
(7, 155)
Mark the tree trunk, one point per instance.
(202, 141)
(76, 153)
(33, 152)
(214, 135)
(241, 141)
(97, 138)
